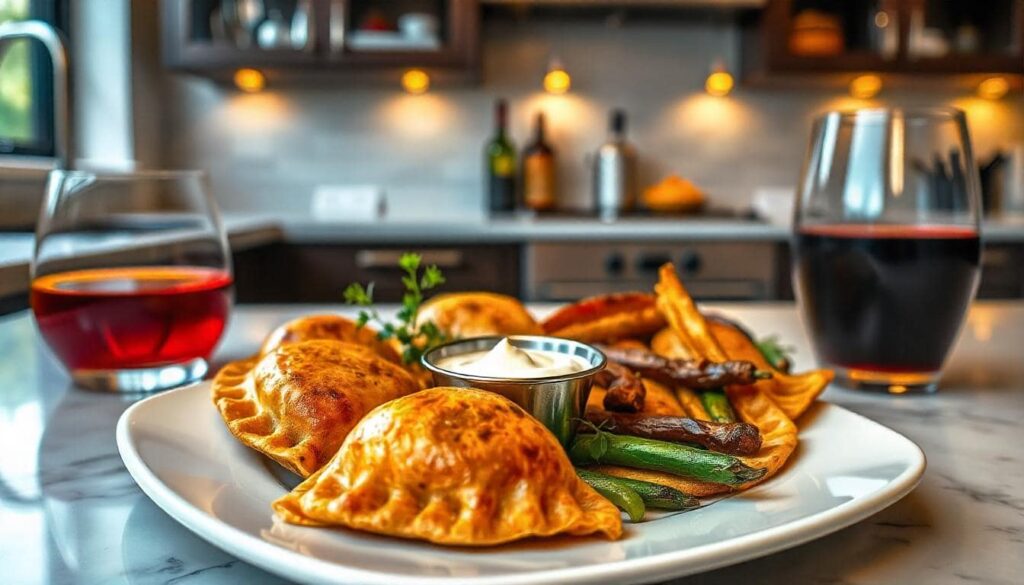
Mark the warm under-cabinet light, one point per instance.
(557, 79)
(719, 83)
(993, 88)
(250, 80)
(865, 86)
(416, 81)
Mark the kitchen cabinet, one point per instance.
(282, 273)
(216, 37)
(794, 37)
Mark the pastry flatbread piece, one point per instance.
(298, 403)
(452, 466)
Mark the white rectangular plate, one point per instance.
(182, 456)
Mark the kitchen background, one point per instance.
(269, 151)
(321, 120)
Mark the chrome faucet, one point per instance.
(56, 48)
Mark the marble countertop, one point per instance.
(70, 513)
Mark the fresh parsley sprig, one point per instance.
(415, 340)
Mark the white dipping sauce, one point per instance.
(505, 360)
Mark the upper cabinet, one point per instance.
(289, 36)
(886, 36)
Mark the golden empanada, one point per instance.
(451, 466)
(297, 403)
(328, 326)
(475, 314)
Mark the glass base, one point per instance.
(142, 379)
(887, 382)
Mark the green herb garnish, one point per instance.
(415, 339)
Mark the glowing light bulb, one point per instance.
(865, 86)
(719, 83)
(993, 88)
(416, 81)
(557, 81)
(250, 80)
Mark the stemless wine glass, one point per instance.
(131, 278)
(886, 243)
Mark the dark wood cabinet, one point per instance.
(907, 37)
(282, 273)
(208, 37)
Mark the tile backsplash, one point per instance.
(269, 151)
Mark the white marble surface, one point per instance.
(69, 512)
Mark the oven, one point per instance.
(725, 271)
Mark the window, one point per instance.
(26, 86)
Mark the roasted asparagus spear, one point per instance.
(736, 438)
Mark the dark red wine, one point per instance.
(119, 318)
(885, 298)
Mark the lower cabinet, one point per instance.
(283, 273)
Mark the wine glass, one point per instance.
(131, 277)
(886, 243)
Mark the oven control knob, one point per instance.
(690, 262)
(614, 264)
(651, 262)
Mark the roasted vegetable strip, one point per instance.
(653, 495)
(778, 433)
(717, 405)
(626, 392)
(735, 438)
(694, 374)
(617, 492)
(606, 318)
(691, 403)
(672, 458)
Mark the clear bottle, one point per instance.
(615, 183)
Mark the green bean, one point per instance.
(616, 492)
(717, 405)
(653, 495)
(654, 455)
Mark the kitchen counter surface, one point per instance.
(247, 230)
(531, 229)
(244, 231)
(70, 513)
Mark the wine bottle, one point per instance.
(615, 171)
(540, 189)
(500, 161)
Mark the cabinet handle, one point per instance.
(336, 22)
(373, 259)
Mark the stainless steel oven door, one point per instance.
(711, 270)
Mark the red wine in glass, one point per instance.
(886, 298)
(886, 250)
(122, 318)
(131, 278)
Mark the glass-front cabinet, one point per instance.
(209, 35)
(898, 36)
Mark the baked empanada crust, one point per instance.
(298, 403)
(328, 326)
(475, 314)
(452, 466)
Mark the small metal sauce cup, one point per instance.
(556, 401)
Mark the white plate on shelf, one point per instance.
(182, 456)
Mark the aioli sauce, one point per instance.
(505, 360)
